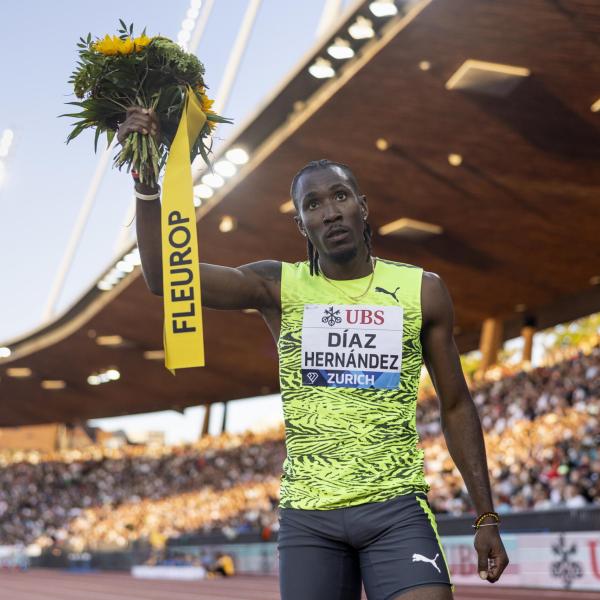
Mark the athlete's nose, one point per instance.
(331, 213)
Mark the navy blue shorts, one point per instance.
(390, 547)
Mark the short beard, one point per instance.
(344, 256)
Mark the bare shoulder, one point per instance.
(268, 270)
(267, 273)
(432, 286)
(436, 304)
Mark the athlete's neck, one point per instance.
(354, 268)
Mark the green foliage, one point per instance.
(471, 363)
(170, 62)
(577, 333)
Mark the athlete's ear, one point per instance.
(364, 207)
(300, 225)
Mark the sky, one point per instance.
(45, 180)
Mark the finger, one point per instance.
(149, 120)
(152, 118)
(140, 118)
(123, 131)
(482, 563)
(497, 567)
(141, 127)
(139, 124)
(128, 129)
(492, 575)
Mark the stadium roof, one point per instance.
(477, 118)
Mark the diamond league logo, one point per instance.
(565, 568)
(312, 376)
(332, 317)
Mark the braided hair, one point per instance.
(313, 253)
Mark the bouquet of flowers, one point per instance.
(116, 72)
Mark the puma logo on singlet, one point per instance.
(384, 291)
(421, 558)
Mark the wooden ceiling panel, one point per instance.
(520, 215)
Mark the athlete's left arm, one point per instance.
(459, 418)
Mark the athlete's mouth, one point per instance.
(337, 233)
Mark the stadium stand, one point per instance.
(541, 433)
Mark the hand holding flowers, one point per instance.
(117, 77)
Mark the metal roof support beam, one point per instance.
(224, 422)
(205, 420)
(235, 57)
(200, 26)
(123, 243)
(331, 11)
(82, 219)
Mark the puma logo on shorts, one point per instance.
(421, 558)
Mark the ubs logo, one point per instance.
(332, 317)
(565, 568)
(353, 316)
(364, 316)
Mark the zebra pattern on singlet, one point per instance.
(348, 446)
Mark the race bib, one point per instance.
(352, 346)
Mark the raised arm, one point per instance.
(255, 285)
(460, 421)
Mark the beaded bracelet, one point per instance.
(481, 517)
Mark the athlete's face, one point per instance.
(331, 213)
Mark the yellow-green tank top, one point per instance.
(349, 369)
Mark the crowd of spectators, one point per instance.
(242, 508)
(550, 462)
(527, 394)
(101, 497)
(542, 436)
(542, 431)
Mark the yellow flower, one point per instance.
(108, 46)
(205, 101)
(206, 107)
(141, 42)
(126, 46)
(112, 45)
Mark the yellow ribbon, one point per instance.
(183, 332)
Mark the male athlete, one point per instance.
(352, 332)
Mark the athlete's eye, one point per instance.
(313, 204)
(341, 195)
